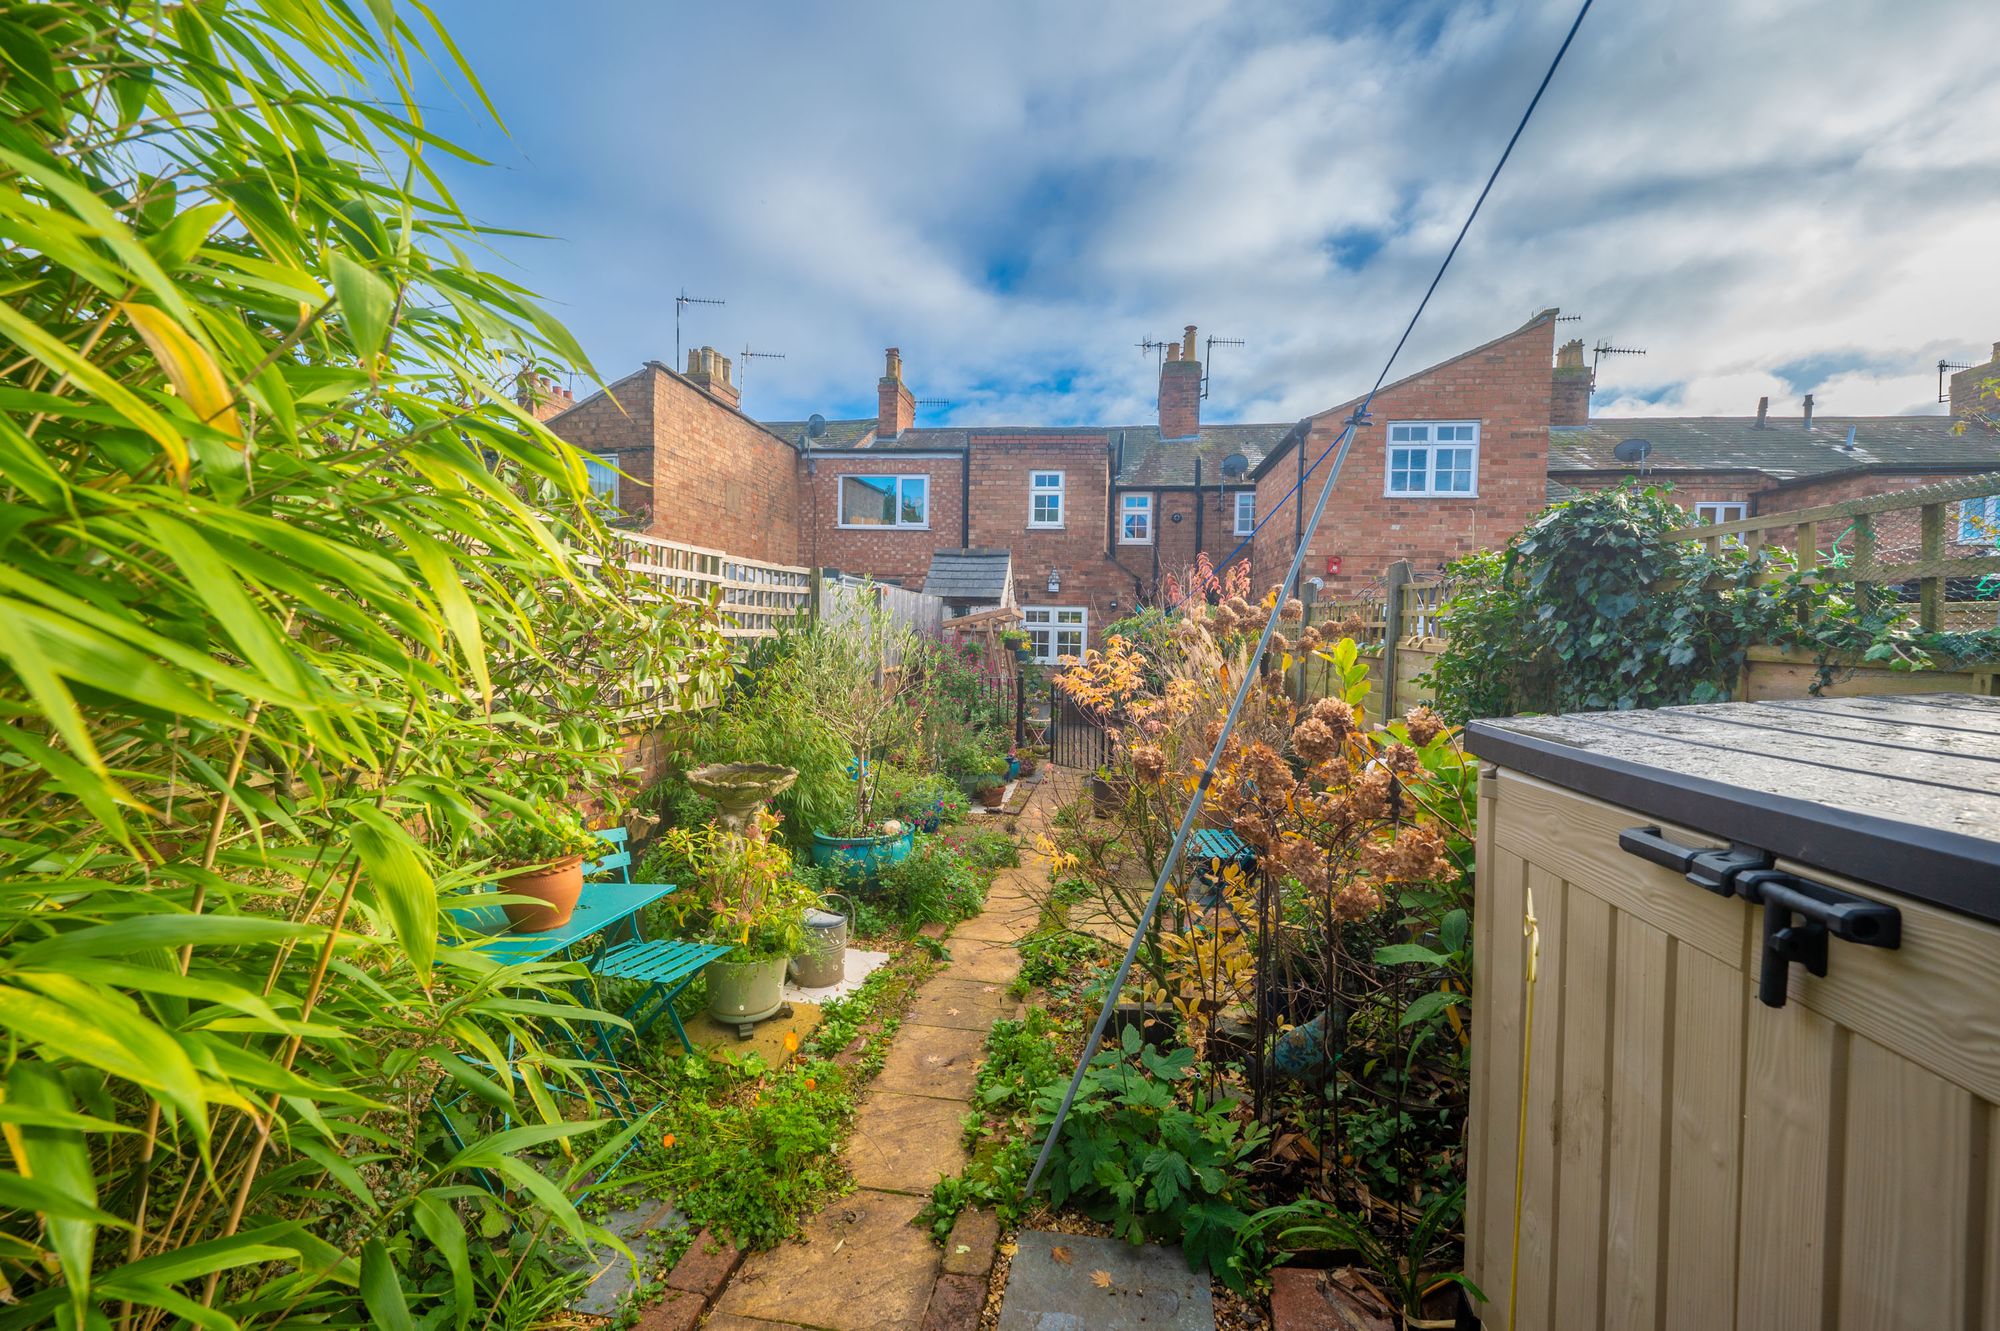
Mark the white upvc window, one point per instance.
(602, 471)
(1246, 512)
(885, 501)
(1135, 519)
(1045, 499)
(1054, 631)
(1979, 521)
(1433, 459)
(1710, 514)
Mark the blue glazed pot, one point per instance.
(862, 856)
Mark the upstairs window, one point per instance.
(1246, 512)
(1135, 520)
(1045, 499)
(1434, 458)
(885, 501)
(1710, 514)
(1979, 521)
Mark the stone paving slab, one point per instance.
(861, 1266)
(937, 1061)
(999, 927)
(767, 1037)
(1146, 1288)
(906, 1143)
(731, 1322)
(967, 1005)
(988, 963)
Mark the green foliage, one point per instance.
(513, 841)
(1051, 955)
(1313, 1225)
(933, 884)
(918, 799)
(1150, 1152)
(293, 596)
(749, 893)
(1022, 1060)
(747, 1151)
(1592, 608)
(985, 847)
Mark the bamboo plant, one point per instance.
(291, 594)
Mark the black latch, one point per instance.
(1799, 914)
(1709, 869)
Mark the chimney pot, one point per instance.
(710, 373)
(1180, 390)
(1763, 409)
(1996, 351)
(1809, 398)
(1569, 398)
(896, 406)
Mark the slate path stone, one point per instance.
(1104, 1285)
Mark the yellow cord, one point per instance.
(1531, 931)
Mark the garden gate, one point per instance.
(1077, 737)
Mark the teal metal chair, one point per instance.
(664, 966)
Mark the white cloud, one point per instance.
(1017, 194)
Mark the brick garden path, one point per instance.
(861, 1264)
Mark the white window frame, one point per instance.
(1038, 490)
(601, 470)
(1132, 506)
(1049, 626)
(1712, 512)
(1246, 512)
(1979, 521)
(1430, 444)
(901, 479)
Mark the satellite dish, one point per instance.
(1634, 451)
(815, 426)
(1234, 466)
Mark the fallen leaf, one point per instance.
(1009, 1249)
(1062, 1254)
(1101, 1279)
(951, 1012)
(962, 1248)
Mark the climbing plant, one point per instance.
(1593, 607)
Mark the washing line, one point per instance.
(1343, 443)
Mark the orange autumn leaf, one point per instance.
(667, 1141)
(1101, 1279)
(1062, 1254)
(791, 1042)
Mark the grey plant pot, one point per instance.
(741, 992)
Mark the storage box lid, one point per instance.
(1902, 792)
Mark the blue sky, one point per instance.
(1769, 196)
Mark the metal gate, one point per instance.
(1077, 735)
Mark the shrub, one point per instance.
(987, 847)
(934, 884)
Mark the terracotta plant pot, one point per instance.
(990, 797)
(554, 889)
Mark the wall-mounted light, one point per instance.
(1114, 605)
(1055, 581)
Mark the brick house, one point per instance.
(1727, 467)
(1454, 457)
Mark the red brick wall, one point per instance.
(1000, 468)
(699, 471)
(901, 555)
(1505, 386)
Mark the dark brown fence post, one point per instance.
(1930, 604)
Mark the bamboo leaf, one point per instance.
(70, 1019)
(57, 1162)
(440, 1224)
(366, 302)
(191, 370)
(402, 883)
(381, 1290)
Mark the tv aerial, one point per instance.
(1603, 349)
(1207, 365)
(681, 302)
(743, 375)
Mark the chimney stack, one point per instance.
(896, 408)
(1970, 400)
(708, 370)
(1180, 390)
(1809, 411)
(1569, 398)
(541, 396)
(1763, 409)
